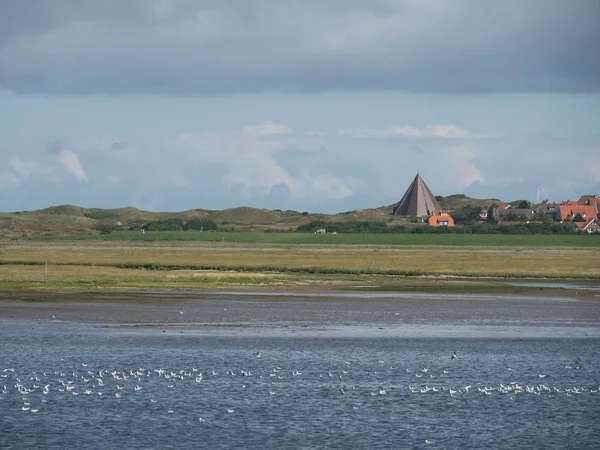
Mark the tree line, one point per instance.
(172, 224)
(465, 228)
(176, 224)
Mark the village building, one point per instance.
(588, 200)
(571, 211)
(592, 226)
(441, 218)
(591, 200)
(503, 214)
(418, 201)
(549, 208)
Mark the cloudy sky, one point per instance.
(312, 105)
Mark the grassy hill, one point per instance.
(457, 201)
(69, 219)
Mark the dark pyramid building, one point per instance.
(417, 201)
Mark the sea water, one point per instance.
(78, 385)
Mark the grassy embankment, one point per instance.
(212, 260)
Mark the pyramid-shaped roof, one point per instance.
(417, 201)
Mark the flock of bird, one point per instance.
(35, 392)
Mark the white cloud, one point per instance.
(447, 167)
(23, 167)
(383, 132)
(303, 171)
(321, 187)
(70, 162)
(266, 129)
(255, 172)
(448, 131)
(458, 168)
(441, 131)
(249, 167)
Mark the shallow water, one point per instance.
(581, 287)
(303, 374)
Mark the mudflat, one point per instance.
(304, 312)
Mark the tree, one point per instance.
(524, 204)
(578, 218)
(174, 224)
(542, 217)
(201, 224)
(466, 214)
(106, 229)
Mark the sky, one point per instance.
(310, 105)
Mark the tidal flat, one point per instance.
(306, 312)
(298, 369)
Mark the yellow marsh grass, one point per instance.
(449, 261)
(213, 275)
(93, 275)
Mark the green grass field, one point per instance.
(462, 240)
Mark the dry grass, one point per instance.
(56, 276)
(217, 275)
(463, 261)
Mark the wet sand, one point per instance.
(314, 313)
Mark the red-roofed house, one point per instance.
(441, 218)
(569, 203)
(591, 226)
(589, 200)
(572, 209)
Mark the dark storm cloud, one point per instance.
(185, 47)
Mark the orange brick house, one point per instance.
(568, 211)
(441, 218)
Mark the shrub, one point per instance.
(466, 214)
(106, 229)
(469, 228)
(101, 214)
(174, 224)
(201, 224)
